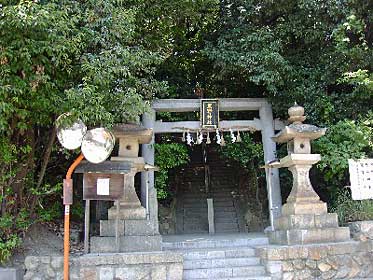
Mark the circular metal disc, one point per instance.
(70, 136)
(97, 144)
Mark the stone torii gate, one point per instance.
(265, 124)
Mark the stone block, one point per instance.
(175, 271)
(88, 273)
(106, 273)
(328, 274)
(310, 264)
(294, 208)
(328, 220)
(139, 227)
(126, 243)
(323, 266)
(299, 264)
(295, 221)
(342, 248)
(297, 252)
(274, 267)
(57, 262)
(127, 227)
(135, 213)
(305, 221)
(275, 253)
(309, 236)
(159, 273)
(11, 273)
(107, 227)
(316, 253)
(31, 262)
(133, 272)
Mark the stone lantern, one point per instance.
(304, 218)
(130, 137)
(138, 225)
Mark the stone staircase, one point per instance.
(191, 213)
(191, 208)
(223, 256)
(223, 188)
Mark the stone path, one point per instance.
(220, 256)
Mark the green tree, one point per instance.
(59, 56)
(168, 156)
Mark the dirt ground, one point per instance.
(46, 239)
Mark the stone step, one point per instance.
(213, 273)
(226, 227)
(195, 206)
(195, 212)
(195, 220)
(224, 262)
(218, 209)
(225, 215)
(198, 227)
(225, 220)
(232, 230)
(218, 253)
(199, 231)
(241, 278)
(195, 215)
(126, 244)
(192, 196)
(221, 199)
(234, 242)
(227, 203)
(221, 194)
(203, 199)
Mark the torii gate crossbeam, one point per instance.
(265, 124)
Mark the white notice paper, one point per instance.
(103, 186)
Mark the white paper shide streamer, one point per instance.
(233, 137)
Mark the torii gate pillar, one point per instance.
(267, 125)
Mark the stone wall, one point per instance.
(129, 266)
(344, 260)
(361, 230)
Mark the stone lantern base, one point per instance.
(304, 218)
(308, 228)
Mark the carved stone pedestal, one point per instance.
(137, 230)
(130, 206)
(304, 218)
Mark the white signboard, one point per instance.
(103, 186)
(361, 177)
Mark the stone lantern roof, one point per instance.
(133, 131)
(297, 129)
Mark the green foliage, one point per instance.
(349, 210)
(245, 153)
(168, 156)
(343, 141)
(7, 247)
(10, 229)
(59, 56)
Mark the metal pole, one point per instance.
(67, 201)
